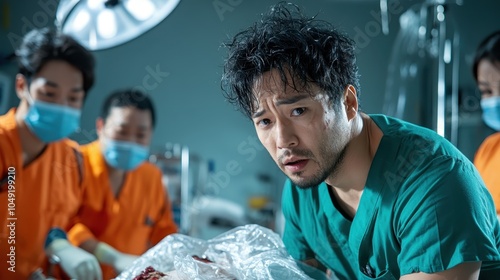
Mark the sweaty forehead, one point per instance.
(488, 71)
(270, 89)
(60, 73)
(272, 85)
(129, 116)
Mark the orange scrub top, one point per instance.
(35, 198)
(487, 162)
(138, 218)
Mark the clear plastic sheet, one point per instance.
(246, 252)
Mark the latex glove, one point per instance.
(109, 255)
(77, 263)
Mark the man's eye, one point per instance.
(48, 94)
(485, 92)
(298, 111)
(264, 122)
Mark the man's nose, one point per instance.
(285, 135)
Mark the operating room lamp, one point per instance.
(102, 24)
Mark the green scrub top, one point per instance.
(424, 209)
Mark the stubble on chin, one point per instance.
(323, 173)
(299, 180)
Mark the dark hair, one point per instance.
(488, 49)
(40, 46)
(310, 50)
(128, 97)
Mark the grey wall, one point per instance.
(186, 49)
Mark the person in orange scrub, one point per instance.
(40, 169)
(125, 208)
(486, 69)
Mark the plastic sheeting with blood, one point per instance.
(245, 252)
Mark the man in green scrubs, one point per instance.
(367, 196)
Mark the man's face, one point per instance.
(57, 82)
(302, 132)
(488, 76)
(126, 124)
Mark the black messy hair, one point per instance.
(40, 46)
(128, 97)
(309, 50)
(488, 49)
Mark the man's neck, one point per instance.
(116, 180)
(349, 186)
(31, 146)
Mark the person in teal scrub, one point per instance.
(368, 196)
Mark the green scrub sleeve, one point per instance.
(444, 218)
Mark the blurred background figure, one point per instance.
(486, 70)
(125, 209)
(40, 169)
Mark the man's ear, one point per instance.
(99, 125)
(351, 101)
(21, 85)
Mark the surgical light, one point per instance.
(102, 24)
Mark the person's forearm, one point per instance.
(89, 245)
(106, 254)
(102, 251)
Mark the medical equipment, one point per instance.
(422, 83)
(212, 216)
(183, 174)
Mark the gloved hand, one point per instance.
(109, 255)
(76, 262)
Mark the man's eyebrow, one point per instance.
(291, 100)
(55, 85)
(143, 127)
(51, 84)
(77, 89)
(258, 114)
(279, 102)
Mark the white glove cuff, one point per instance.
(57, 246)
(105, 253)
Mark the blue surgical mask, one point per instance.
(491, 112)
(124, 155)
(51, 122)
